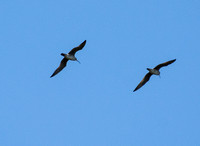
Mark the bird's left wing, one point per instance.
(74, 50)
(164, 64)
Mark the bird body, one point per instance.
(154, 71)
(69, 56)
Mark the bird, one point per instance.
(68, 56)
(154, 71)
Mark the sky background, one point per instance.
(93, 103)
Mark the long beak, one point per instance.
(78, 61)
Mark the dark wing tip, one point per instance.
(52, 75)
(138, 87)
(171, 61)
(135, 90)
(174, 60)
(83, 43)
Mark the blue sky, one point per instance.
(92, 103)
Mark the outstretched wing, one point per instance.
(164, 64)
(62, 65)
(74, 50)
(144, 80)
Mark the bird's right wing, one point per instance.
(62, 65)
(144, 80)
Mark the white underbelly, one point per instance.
(155, 72)
(70, 57)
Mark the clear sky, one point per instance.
(93, 103)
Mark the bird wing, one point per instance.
(74, 50)
(62, 65)
(144, 80)
(164, 64)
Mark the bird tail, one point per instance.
(62, 54)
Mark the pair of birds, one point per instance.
(71, 56)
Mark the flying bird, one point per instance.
(69, 56)
(154, 71)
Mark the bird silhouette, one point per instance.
(69, 56)
(154, 71)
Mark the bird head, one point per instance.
(77, 60)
